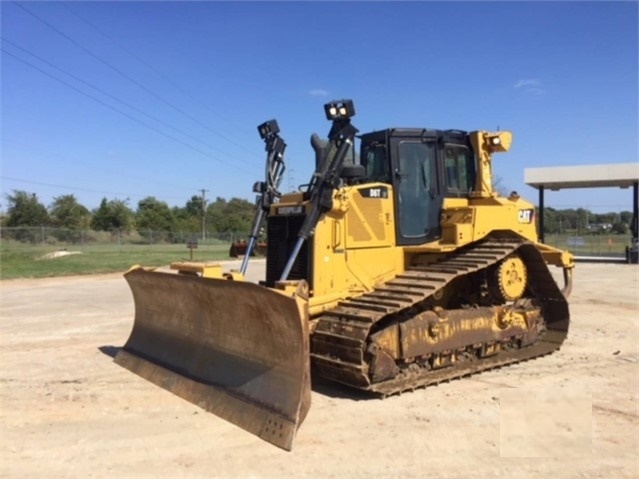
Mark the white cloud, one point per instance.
(527, 82)
(318, 92)
(530, 86)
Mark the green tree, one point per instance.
(215, 215)
(619, 228)
(194, 207)
(552, 224)
(25, 210)
(154, 216)
(100, 221)
(235, 215)
(626, 217)
(69, 215)
(186, 222)
(189, 218)
(112, 215)
(239, 213)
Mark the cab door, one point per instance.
(417, 195)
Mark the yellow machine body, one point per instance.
(365, 310)
(355, 247)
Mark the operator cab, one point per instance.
(424, 167)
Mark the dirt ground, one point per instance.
(68, 411)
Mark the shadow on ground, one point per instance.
(319, 385)
(110, 351)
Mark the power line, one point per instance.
(4, 39)
(123, 113)
(157, 72)
(587, 206)
(19, 146)
(117, 70)
(78, 188)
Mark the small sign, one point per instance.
(575, 241)
(377, 192)
(290, 210)
(191, 245)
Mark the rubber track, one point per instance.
(340, 338)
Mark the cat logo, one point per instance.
(526, 216)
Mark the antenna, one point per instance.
(291, 180)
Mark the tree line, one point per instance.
(582, 221)
(151, 215)
(222, 216)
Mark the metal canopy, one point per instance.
(623, 175)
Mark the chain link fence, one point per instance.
(69, 237)
(596, 245)
(582, 245)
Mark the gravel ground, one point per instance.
(68, 411)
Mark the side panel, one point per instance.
(516, 215)
(370, 235)
(477, 218)
(369, 219)
(355, 245)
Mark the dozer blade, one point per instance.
(236, 349)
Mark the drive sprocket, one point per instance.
(509, 279)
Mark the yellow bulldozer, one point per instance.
(392, 269)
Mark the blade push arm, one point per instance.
(326, 177)
(267, 189)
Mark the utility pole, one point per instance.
(203, 213)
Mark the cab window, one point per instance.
(459, 169)
(376, 163)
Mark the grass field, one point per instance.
(18, 260)
(21, 260)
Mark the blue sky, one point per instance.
(192, 80)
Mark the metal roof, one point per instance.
(621, 175)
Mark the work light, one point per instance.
(338, 110)
(268, 128)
